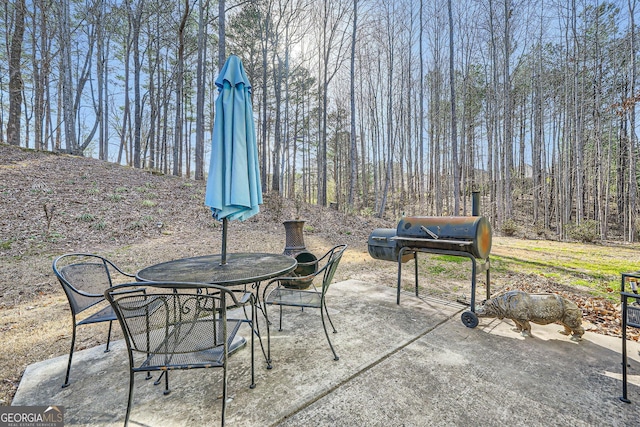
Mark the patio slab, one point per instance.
(410, 365)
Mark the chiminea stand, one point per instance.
(469, 318)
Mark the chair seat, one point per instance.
(294, 297)
(190, 346)
(105, 315)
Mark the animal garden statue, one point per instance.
(542, 309)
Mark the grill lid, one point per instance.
(462, 233)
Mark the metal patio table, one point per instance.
(239, 269)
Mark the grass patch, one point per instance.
(436, 269)
(594, 267)
(148, 203)
(54, 236)
(116, 197)
(86, 217)
(451, 258)
(100, 225)
(6, 244)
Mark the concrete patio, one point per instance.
(410, 365)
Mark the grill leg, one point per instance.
(473, 284)
(488, 264)
(399, 275)
(415, 259)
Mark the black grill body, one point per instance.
(468, 237)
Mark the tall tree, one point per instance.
(222, 18)
(15, 74)
(177, 144)
(66, 80)
(633, 138)
(136, 22)
(203, 7)
(353, 158)
(332, 42)
(454, 119)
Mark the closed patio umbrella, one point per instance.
(233, 186)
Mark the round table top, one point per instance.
(240, 268)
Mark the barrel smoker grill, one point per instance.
(468, 237)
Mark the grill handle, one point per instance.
(429, 232)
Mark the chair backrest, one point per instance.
(172, 318)
(334, 255)
(84, 278)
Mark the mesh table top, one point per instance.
(241, 268)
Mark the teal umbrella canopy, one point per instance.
(233, 186)
(234, 189)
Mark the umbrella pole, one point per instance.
(223, 259)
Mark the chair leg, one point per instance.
(254, 318)
(224, 390)
(73, 343)
(106, 350)
(166, 383)
(324, 325)
(266, 317)
(130, 398)
(329, 317)
(280, 328)
(256, 330)
(164, 374)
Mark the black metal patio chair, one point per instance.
(287, 293)
(84, 278)
(179, 326)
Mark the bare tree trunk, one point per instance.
(492, 127)
(421, 118)
(38, 62)
(68, 111)
(454, 120)
(177, 144)
(633, 183)
(222, 54)
(137, 111)
(390, 136)
(265, 37)
(277, 136)
(353, 158)
(126, 107)
(508, 131)
(101, 59)
(15, 74)
(201, 84)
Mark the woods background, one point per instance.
(381, 107)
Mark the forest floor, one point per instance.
(52, 204)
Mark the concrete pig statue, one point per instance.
(542, 309)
